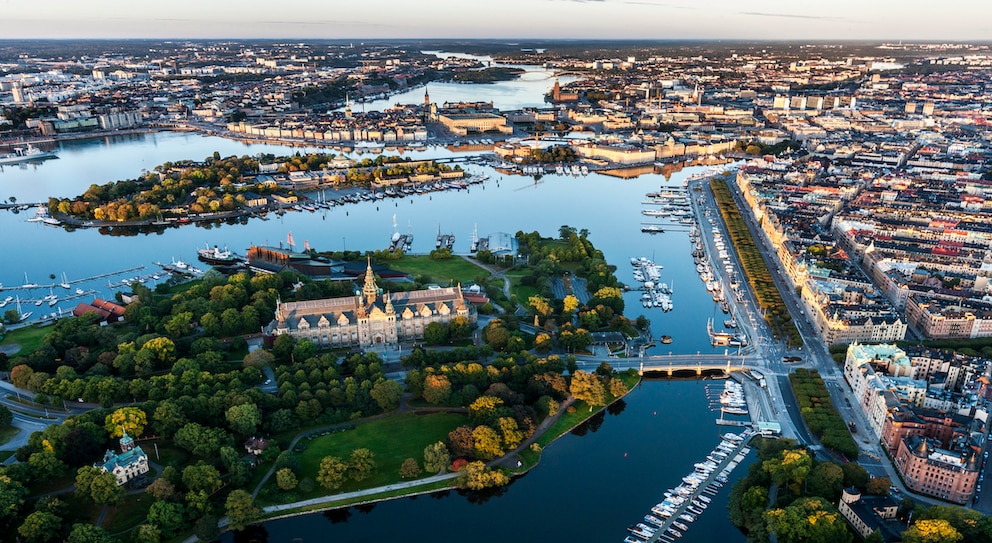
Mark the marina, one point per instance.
(671, 518)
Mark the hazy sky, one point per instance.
(356, 19)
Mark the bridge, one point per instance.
(682, 363)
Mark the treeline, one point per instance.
(820, 414)
(758, 275)
(553, 154)
(487, 75)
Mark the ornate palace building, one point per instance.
(370, 319)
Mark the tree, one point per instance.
(6, 416)
(259, 358)
(45, 464)
(570, 304)
(241, 510)
(410, 469)
(200, 440)
(161, 489)
(808, 520)
(286, 479)
(435, 333)
(459, 327)
(331, 473)
(132, 419)
(168, 417)
(855, 475)
(12, 494)
(487, 442)
(104, 489)
(512, 436)
(201, 476)
(87, 533)
(460, 441)
(39, 527)
(588, 388)
(484, 409)
(168, 516)
(387, 394)
(149, 533)
(206, 528)
(791, 468)
(931, 531)
(826, 480)
(436, 458)
(618, 388)
(476, 476)
(878, 485)
(244, 418)
(361, 464)
(437, 389)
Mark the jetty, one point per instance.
(74, 281)
(672, 517)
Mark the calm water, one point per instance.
(588, 488)
(608, 207)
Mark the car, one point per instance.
(268, 381)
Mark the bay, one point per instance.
(589, 486)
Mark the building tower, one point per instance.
(347, 106)
(370, 290)
(18, 93)
(427, 98)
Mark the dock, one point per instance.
(685, 503)
(74, 281)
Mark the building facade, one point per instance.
(928, 469)
(126, 465)
(371, 319)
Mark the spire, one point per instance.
(127, 442)
(389, 304)
(370, 290)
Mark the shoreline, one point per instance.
(326, 503)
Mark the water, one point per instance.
(608, 207)
(586, 488)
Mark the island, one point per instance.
(175, 420)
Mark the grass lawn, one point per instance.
(4, 455)
(6, 434)
(168, 454)
(520, 293)
(29, 338)
(455, 269)
(130, 513)
(569, 420)
(392, 439)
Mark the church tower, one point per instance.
(347, 106)
(370, 290)
(427, 98)
(556, 91)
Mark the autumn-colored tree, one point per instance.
(131, 419)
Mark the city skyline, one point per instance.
(516, 19)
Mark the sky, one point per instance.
(500, 19)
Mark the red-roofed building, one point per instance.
(108, 311)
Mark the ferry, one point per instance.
(652, 229)
(25, 154)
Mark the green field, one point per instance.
(392, 439)
(29, 338)
(8, 433)
(445, 272)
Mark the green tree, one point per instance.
(286, 479)
(168, 417)
(855, 475)
(149, 533)
(826, 480)
(878, 485)
(45, 465)
(931, 531)
(435, 333)
(39, 527)
(201, 476)
(12, 494)
(259, 358)
(588, 388)
(361, 464)
(241, 510)
(244, 419)
(202, 441)
(132, 419)
(206, 528)
(386, 393)
(410, 469)
(88, 533)
(6, 416)
(436, 458)
(789, 469)
(168, 516)
(104, 489)
(331, 473)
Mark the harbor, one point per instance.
(670, 519)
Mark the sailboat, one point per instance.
(28, 284)
(65, 282)
(24, 316)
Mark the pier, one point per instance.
(74, 281)
(676, 507)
